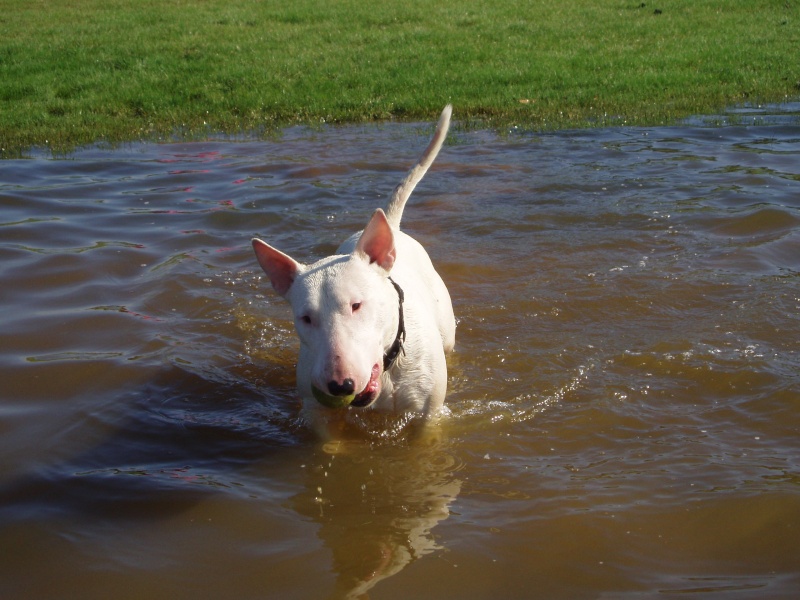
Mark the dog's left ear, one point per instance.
(377, 241)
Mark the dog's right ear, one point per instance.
(280, 268)
(377, 241)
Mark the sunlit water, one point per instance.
(624, 396)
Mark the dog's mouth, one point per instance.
(371, 391)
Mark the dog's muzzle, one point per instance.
(342, 395)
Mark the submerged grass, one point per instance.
(84, 71)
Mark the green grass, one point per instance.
(75, 72)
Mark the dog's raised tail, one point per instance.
(394, 210)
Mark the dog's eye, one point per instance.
(306, 319)
(356, 306)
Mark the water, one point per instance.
(625, 398)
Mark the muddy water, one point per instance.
(624, 398)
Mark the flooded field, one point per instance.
(624, 397)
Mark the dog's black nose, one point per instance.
(346, 388)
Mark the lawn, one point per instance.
(76, 72)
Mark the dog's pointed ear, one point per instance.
(280, 268)
(377, 241)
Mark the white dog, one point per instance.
(375, 320)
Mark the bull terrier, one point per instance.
(375, 320)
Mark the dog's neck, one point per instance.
(390, 355)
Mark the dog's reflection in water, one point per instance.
(376, 504)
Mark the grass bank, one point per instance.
(83, 71)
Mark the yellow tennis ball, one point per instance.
(331, 401)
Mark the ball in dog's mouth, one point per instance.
(364, 398)
(332, 401)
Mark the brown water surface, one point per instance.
(624, 397)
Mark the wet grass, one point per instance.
(84, 71)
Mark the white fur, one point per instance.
(346, 312)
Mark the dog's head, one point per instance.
(345, 313)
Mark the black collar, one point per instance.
(390, 356)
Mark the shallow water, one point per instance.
(624, 397)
